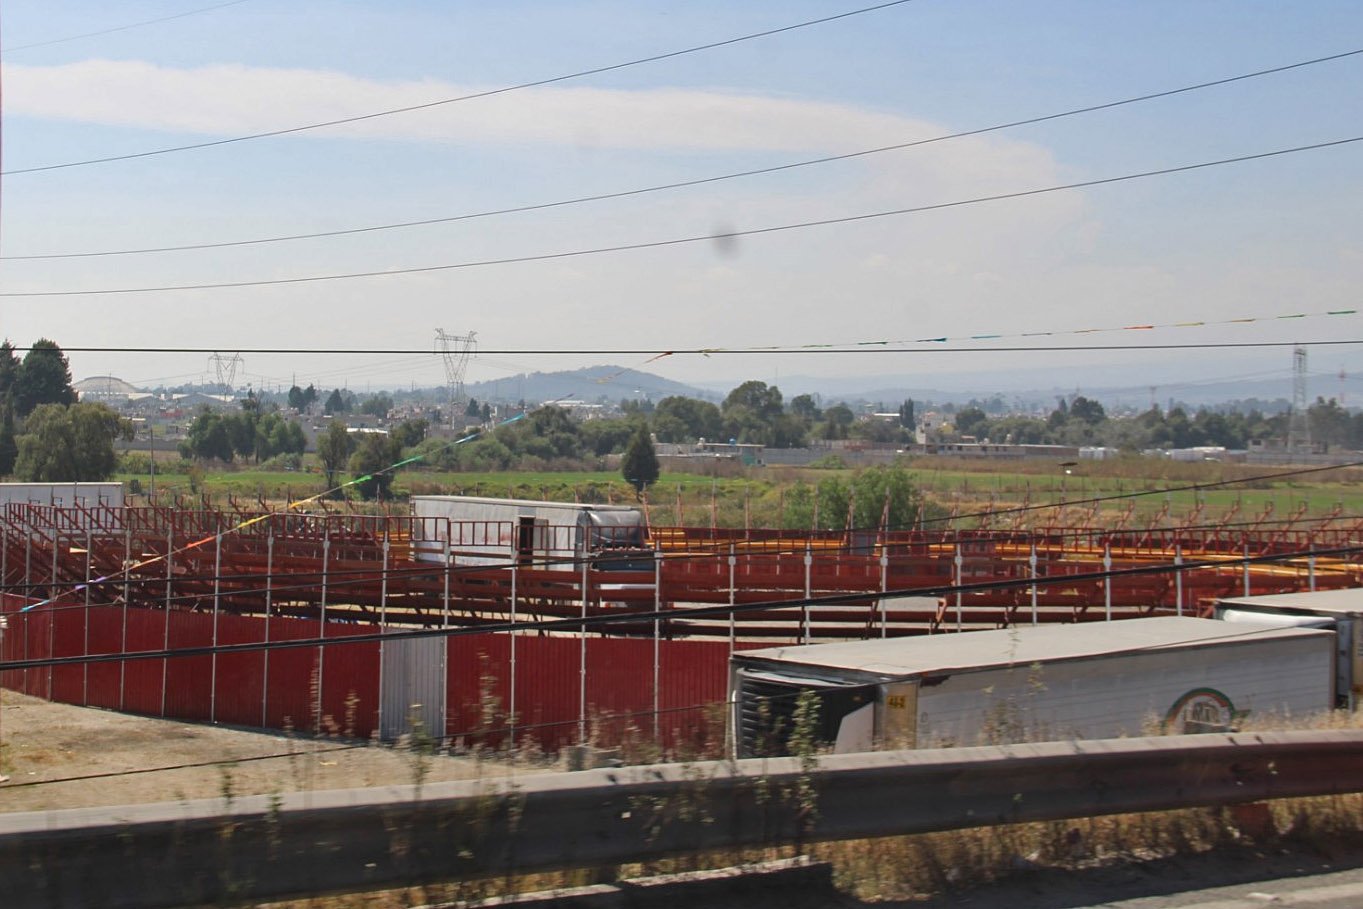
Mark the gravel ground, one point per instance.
(60, 756)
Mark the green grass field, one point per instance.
(1147, 486)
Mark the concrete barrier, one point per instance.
(318, 842)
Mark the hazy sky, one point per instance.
(1257, 239)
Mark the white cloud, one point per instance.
(892, 277)
(231, 99)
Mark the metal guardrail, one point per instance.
(314, 842)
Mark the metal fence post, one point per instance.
(884, 587)
(1031, 561)
(217, 591)
(733, 629)
(85, 667)
(445, 594)
(1178, 575)
(1107, 582)
(52, 616)
(960, 579)
(657, 630)
(123, 631)
(269, 605)
(809, 592)
(582, 661)
(165, 642)
(511, 705)
(322, 629)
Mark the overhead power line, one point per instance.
(701, 181)
(120, 28)
(679, 241)
(712, 351)
(469, 97)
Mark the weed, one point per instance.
(419, 747)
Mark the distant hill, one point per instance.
(1020, 387)
(591, 384)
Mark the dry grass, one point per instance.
(53, 740)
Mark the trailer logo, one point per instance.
(1201, 710)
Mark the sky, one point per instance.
(1254, 240)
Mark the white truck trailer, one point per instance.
(471, 530)
(1340, 611)
(67, 495)
(1033, 683)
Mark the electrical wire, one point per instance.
(166, 768)
(715, 351)
(682, 184)
(469, 97)
(680, 241)
(119, 28)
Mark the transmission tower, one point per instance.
(226, 370)
(455, 351)
(1298, 426)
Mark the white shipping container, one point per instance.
(489, 531)
(1339, 611)
(66, 495)
(1036, 683)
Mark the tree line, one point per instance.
(1084, 422)
(45, 435)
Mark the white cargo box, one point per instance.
(1034, 683)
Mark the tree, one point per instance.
(377, 405)
(1329, 423)
(548, 433)
(1089, 411)
(680, 419)
(906, 417)
(972, 421)
(275, 435)
(336, 403)
(44, 377)
(602, 437)
(241, 431)
(65, 444)
(838, 419)
(287, 437)
(409, 433)
(208, 438)
(333, 449)
(640, 463)
(473, 411)
(805, 407)
(9, 448)
(300, 399)
(753, 412)
(759, 396)
(370, 462)
(9, 372)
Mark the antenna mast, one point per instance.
(1298, 426)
